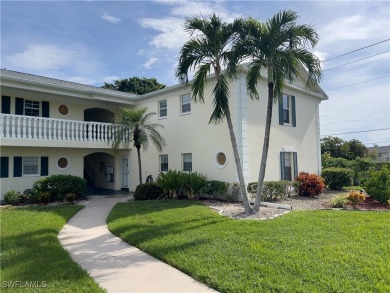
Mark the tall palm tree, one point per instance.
(208, 50)
(279, 46)
(136, 122)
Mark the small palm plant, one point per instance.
(136, 122)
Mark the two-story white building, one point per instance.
(50, 126)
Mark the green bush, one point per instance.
(330, 162)
(32, 195)
(337, 178)
(170, 182)
(338, 201)
(56, 187)
(272, 190)
(148, 191)
(12, 197)
(309, 184)
(216, 189)
(378, 185)
(192, 184)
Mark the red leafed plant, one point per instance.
(309, 184)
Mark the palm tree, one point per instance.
(279, 46)
(208, 49)
(136, 122)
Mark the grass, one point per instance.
(32, 256)
(303, 251)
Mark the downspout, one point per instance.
(319, 163)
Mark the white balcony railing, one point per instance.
(28, 127)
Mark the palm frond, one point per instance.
(221, 100)
(200, 80)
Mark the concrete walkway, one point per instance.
(115, 265)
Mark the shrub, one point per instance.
(55, 187)
(337, 178)
(272, 190)
(32, 195)
(192, 184)
(12, 197)
(338, 201)
(216, 189)
(309, 184)
(170, 182)
(354, 198)
(330, 162)
(70, 197)
(233, 191)
(148, 191)
(378, 185)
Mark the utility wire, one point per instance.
(371, 130)
(356, 61)
(356, 50)
(357, 83)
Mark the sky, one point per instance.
(93, 42)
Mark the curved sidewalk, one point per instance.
(114, 264)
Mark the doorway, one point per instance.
(125, 172)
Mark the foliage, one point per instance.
(355, 198)
(272, 190)
(339, 148)
(350, 249)
(378, 185)
(136, 122)
(216, 189)
(338, 201)
(135, 85)
(148, 191)
(337, 178)
(309, 184)
(170, 182)
(12, 197)
(331, 162)
(55, 187)
(192, 184)
(30, 251)
(207, 51)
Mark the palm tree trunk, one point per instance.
(264, 155)
(139, 164)
(244, 197)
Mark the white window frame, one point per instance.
(162, 108)
(182, 97)
(287, 108)
(23, 166)
(183, 161)
(32, 107)
(161, 162)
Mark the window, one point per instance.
(162, 109)
(185, 103)
(287, 110)
(288, 166)
(30, 165)
(31, 108)
(163, 163)
(220, 159)
(187, 162)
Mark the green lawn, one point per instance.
(31, 254)
(303, 251)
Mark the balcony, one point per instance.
(17, 130)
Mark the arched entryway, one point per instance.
(99, 171)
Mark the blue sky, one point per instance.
(95, 41)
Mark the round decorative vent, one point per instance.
(63, 163)
(63, 109)
(220, 159)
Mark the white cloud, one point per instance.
(110, 79)
(43, 57)
(148, 64)
(111, 19)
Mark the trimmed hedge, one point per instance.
(337, 178)
(378, 185)
(148, 191)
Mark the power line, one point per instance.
(371, 130)
(356, 50)
(357, 83)
(356, 60)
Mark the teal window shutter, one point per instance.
(295, 159)
(282, 175)
(19, 106)
(45, 109)
(18, 166)
(44, 166)
(281, 111)
(294, 119)
(5, 105)
(4, 165)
